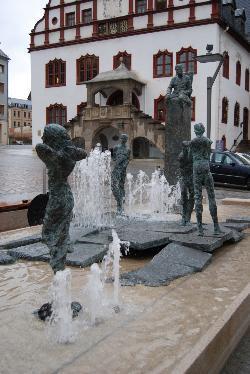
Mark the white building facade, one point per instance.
(155, 34)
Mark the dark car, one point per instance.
(229, 168)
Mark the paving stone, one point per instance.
(166, 227)
(8, 244)
(237, 236)
(143, 240)
(239, 226)
(102, 237)
(31, 252)
(174, 261)
(239, 219)
(86, 254)
(207, 243)
(6, 259)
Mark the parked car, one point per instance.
(246, 156)
(228, 168)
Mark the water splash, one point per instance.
(60, 323)
(94, 292)
(91, 186)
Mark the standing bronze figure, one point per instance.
(121, 156)
(186, 183)
(59, 155)
(201, 150)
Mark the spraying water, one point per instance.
(95, 293)
(91, 186)
(61, 324)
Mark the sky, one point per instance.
(17, 18)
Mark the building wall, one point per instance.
(4, 101)
(20, 124)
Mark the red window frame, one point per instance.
(225, 72)
(187, 60)
(160, 113)
(163, 59)
(141, 6)
(193, 108)
(70, 19)
(247, 80)
(87, 16)
(87, 67)
(56, 113)
(55, 72)
(160, 4)
(238, 73)
(126, 60)
(224, 110)
(237, 114)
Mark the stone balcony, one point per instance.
(107, 112)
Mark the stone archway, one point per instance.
(116, 98)
(108, 137)
(144, 148)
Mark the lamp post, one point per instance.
(211, 57)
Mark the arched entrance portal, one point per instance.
(108, 137)
(116, 98)
(143, 148)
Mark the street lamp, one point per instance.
(211, 57)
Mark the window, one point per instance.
(238, 72)
(140, 6)
(2, 87)
(24, 114)
(126, 59)
(186, 57)
(192, 108)
(24, 124)
(1, 68)
(56, 113)
(14, 123)
(226, 67)
(56, 73)
(14, 113)
(218, 157)
(227, 160)
(160, 109)
(18, 124)
(29, 115)
(163, 64)
(80, 107)
(224, 115)
(247, 80)
(87, 68)
(70, 19)
(160, 4)
(18, 114)
(236, 114)
(2, 109)
(86, 16)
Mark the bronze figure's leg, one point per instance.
(209, 184)
(198, 202)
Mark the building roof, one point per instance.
(3, 55)
(13, 102)
(120, 73)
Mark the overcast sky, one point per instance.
(17, 18)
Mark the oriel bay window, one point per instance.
(187, 58)
(87, 68)
(56, 73)
(56, 113)
(122, 57)
(163, 64)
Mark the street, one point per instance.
(21, 174)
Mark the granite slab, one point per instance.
(31, 252)
(165, 227)
(207, 243)
(239, 226)
(6, 259)
(174, 261)
(103, 237)
(239, 219)
(141, 240)
(30, 239)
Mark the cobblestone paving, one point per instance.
(21, 174)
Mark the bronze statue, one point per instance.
(186, 183)
(59, 155)
(121, 156)
(201, 149)
(180, 87)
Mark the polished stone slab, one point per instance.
(174, 261)
(207, 243)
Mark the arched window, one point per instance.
(163, 64)
(80, 107)
(87, 67)
(193, 109)
(56, 113)
(238, 72)
(160, 109)
(140, 6)
(236, 114)
(160, 4)
(226, 66)
(56, 73)
(126, 59)
(186, 57)
(247, 80)
(224, 114)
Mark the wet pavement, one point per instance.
(21, 174)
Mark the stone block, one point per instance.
(237, 236)
(102, 237)
(86, 254)
(31, 252)
(6, 259)
(207, 243)
(142, 240)
(174, 261)
(239, 219)
(238, 226)
(166, 227)
(31, 239)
